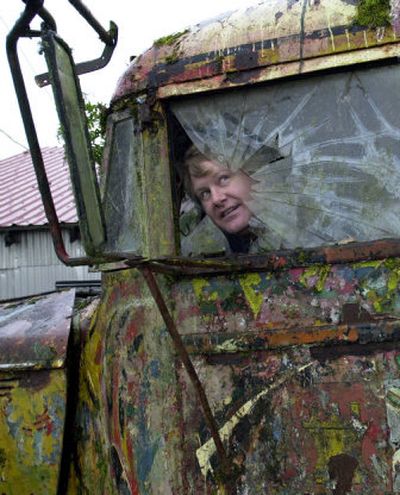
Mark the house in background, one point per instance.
(28, 263)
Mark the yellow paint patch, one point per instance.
(355, 409)
(332, 437)
(254, 298)
(367, 264)
(31, 421)
(319, 274)
(393, 281)
(198, 285)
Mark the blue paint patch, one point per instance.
(37, 446)
(396, 305)
(154, 368)
(364, 272)
(146, 447)
(346, 273)
(13, 426)
(277, 428)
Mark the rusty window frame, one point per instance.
(113, 119)
(352, 252)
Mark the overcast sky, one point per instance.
(139, 23)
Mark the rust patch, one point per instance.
(353, 313)
(341, 471)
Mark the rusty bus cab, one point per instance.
(274, 368)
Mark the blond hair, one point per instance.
(193, 161)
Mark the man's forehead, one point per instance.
(209, 167)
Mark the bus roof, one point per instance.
(268, 40)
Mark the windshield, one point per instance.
(321, 157)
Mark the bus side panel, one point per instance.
(129, 409)
(294, 431)
(302, 371)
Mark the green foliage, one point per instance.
(96, 121)
(373, 13)
(96, 117)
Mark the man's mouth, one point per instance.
(229, 210)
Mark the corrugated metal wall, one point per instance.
(31, 266)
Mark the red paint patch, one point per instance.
(131, 331)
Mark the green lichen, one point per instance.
(373, 13)
(169, 39)
(171, 59)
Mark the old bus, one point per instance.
(246, 220)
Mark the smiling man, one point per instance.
(223, 195)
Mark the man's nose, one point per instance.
(218, 196)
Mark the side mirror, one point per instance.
(70, 108)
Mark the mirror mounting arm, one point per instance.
(108, 38)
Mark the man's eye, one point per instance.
(224, 179)
(204, 195)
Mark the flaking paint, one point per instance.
(296, 415)
(271, 38)
(32, 414)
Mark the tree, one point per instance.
(96, 119)
(96, 122)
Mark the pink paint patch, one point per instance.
(296, 274)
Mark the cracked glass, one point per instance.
(322, 157)
(122, 200)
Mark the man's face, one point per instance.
(223, 195)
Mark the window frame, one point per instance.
(113, 119)
(338, 253)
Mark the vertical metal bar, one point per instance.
(184, 356)
(21, 26)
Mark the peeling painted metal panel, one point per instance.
(301, 368)
(34, 332)
(33, 391)
(30, 265)
(297, 365)
(32, 414)
(268, 40)
(293, 428)
(128, 410)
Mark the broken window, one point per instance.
(322, 155)
(122, 198)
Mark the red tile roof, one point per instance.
(20, 200)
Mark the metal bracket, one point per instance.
(91, 65)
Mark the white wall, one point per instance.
(31, 266)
